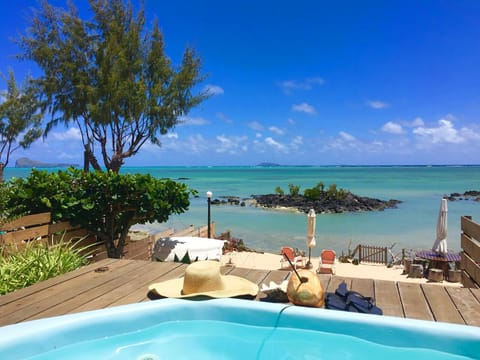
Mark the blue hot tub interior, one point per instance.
(233, 329)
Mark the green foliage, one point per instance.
(38, 262)
(20, 120)
(105, 203)
(341, 194)
(279, 191)
(294, 189)
(332, 190)
(110, 77)
(312, 194)
(320, 186)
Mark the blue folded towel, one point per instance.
(351, 301)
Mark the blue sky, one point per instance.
(307, 82)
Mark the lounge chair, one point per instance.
(327, 263)
(294, 259)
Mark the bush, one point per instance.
(105, 203)
(38, 262)
(312, 194)
(294, 189)
(279, 191)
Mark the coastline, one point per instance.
(269, 261)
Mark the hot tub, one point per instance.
(234, 329)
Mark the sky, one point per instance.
(305, 82)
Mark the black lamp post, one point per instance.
(209, 198)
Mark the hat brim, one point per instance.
(235, 286)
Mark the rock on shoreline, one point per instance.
(326, 204)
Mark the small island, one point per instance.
(28, 163)
(324, 205)
(322, 200)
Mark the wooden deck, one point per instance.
(113, 282)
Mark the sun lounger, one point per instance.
(294, 259)
(327, 263)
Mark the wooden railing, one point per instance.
(470, 262)
(371, 254)
(16, 234)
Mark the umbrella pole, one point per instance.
(309, 265)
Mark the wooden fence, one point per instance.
(371, 254)
(470, 256)
(16, 234)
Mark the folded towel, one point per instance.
(351, 301)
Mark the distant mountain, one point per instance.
(28, 163)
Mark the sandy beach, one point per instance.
(268, 261)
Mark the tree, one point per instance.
(105, 203)
(20, 119)
(109, 77)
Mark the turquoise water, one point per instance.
(210, 339)
(411, 225)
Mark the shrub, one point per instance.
(294, 189)
(279, 191)
(38, 262)
(312, 194)
(105, 203)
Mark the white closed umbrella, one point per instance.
(311, 224)
(440, 245)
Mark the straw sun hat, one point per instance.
(203, 278)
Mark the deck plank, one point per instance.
(98, 293)
(29, 290)
(414, 303)
(363, 286)
(467, 304)
(140, 294)
(441, 304)
(136, 281)
(50, 297)
(387, 298)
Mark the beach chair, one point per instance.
(294, 259)
(327, 263)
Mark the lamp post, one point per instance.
(209, 199)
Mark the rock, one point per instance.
(325, 204)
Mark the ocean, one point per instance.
(412, 225)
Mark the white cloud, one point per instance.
(289, 86)
(416, 122)
(375, 104)
(231, 144)
(196, 144)
(172, 136)
(258, 135)
(213, 90)
(69, 134)
(276, 130)
(275, 144)
(255, 125)
(392, 128)
(346, 136)
(65, 156)
(291, 121)
(305, 108)
(223, 117)
(445, 132)
(296, 142)
(194, 121)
